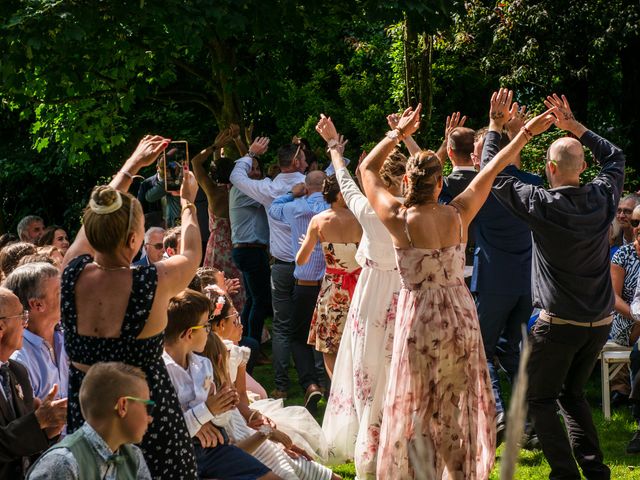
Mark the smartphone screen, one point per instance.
(174, 158)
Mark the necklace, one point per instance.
(110, 269)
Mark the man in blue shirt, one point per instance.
(37, 285)
(296, 209)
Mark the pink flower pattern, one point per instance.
(439, 394)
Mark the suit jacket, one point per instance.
(453, 185)
(20, 434)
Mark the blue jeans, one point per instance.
(282, 284)
(501, 318)
(254, 265)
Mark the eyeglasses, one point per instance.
(206, 326)
(157, 246)
(626, 211)
(24, 315)
(149, 404)
(237, 321)
(634, 222)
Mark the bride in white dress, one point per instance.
(354, 411)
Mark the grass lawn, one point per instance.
(614, 434)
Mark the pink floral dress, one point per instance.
(218, 254)
(335, 296)
(439, 404)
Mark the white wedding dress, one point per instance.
(354, 411)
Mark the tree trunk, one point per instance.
(418, 48)
(630, 95)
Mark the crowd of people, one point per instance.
(399, 295)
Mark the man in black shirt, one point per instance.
(570, 283)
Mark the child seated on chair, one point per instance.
(114, 399)
(203, 407)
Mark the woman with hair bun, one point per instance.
(114, 312)
(339, 232)
(439, 400)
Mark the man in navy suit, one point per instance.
(501, 278)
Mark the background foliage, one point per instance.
(82, 80)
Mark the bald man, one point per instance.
(571, 284)
(296, 209)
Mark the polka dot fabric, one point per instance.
(167, 447)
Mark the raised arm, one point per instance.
(145, 154)
(454, 120)
(212, 190)
(239, 177)
(234, 129)
(309, 243)
(408, 141)
(386, 206)
(278, 207)
(473, 197)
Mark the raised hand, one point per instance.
(453, 121)
(299, 190)
(338, 144)
(518, 116)
(541, 123)
(564, 118)
(393, 120)
(148, 150)
(222, 138)
(499, 108)
(259, 146)
(232, 285)
(409, 122)
(189, 187)
(326, 128)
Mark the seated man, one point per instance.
(37, 285)
(25, 430)
(114, 399)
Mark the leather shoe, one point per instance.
(531, 442)
(278, 394)
(633, 447)
(311, 398)
(500, 429)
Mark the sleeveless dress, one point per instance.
(218, 255)
(166, 446)
(338, 285)
(354, 410)
(439, 410)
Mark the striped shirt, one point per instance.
(297, 213)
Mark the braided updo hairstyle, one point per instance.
(330, 189)
(393, 169)
(423, 172)
(107, 232)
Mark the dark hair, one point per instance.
(7, 239)
(423, 172)
(393, 168)
(49, 235)
(330, 189)
(108, 231)
(287, 153)
(184, 312)
(221, 170)
(171, 238)
(11, 255)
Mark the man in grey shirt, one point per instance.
(570, 283)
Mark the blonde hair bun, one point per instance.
(105, 199)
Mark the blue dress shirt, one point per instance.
(44, 370)
(297, 213)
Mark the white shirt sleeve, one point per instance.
(259, 190)
(356, 201)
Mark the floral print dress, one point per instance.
(338, 285)
(439, 403)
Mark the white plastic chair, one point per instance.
(613, 358)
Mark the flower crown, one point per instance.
(221, 298)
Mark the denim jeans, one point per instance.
(254, 265)
(501, 318)
(282, 284)
(562, 359)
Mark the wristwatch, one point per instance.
(251, 154)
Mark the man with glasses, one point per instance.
(37, 285)
(570, 283)
(622, 230)
(153, 246)
(25, 430)
(114, 398)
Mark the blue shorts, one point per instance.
(227, 462)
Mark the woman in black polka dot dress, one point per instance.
(112, 312)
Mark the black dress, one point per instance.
(167, 446)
